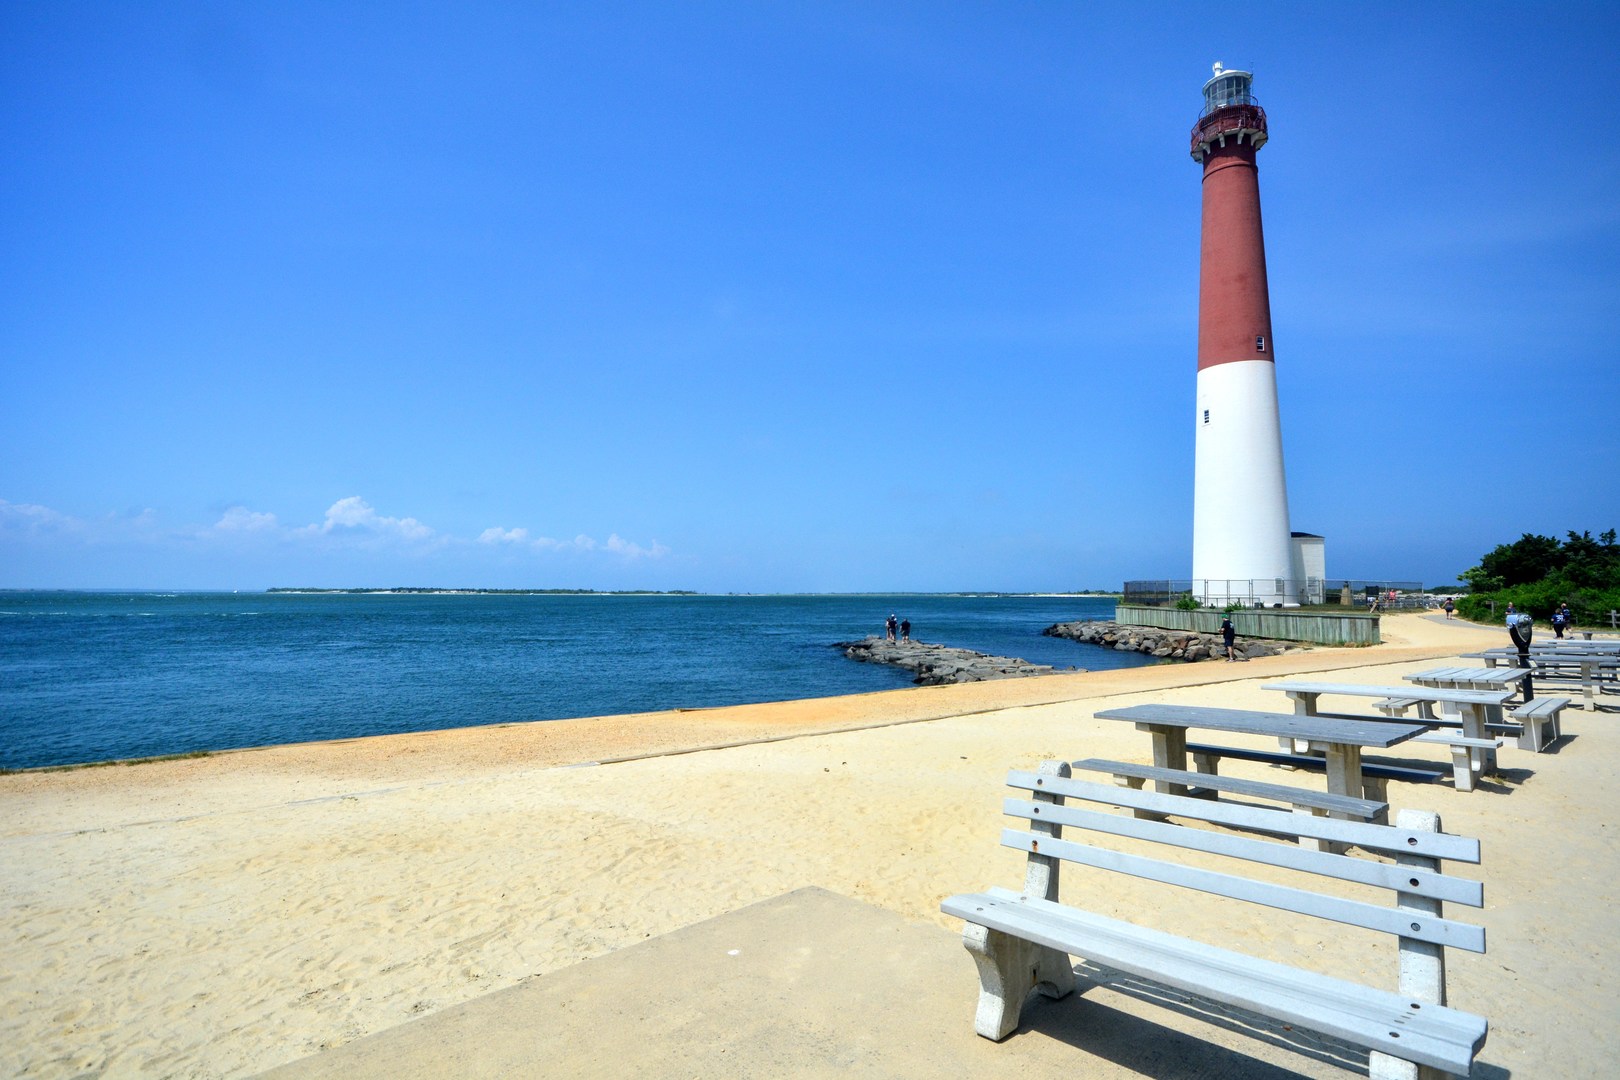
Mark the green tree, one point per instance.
(1529, 558)
(1591, 563)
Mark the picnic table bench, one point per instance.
(1539, 720)
(1023, 940)
(1375, 776)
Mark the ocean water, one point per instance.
(101, 676)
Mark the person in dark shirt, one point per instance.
(1520, 626)
(1229, 635)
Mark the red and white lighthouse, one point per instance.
(1241, 541)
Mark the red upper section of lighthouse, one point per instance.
(1234, 303)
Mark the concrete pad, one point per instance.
(813, 984)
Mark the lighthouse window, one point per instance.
(1260, 343)
(1206, 416)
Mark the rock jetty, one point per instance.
(1166, 644)
(936, 665)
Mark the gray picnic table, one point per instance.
(1471, 706)
(1510, 679)
(1592, 668)
(1481, 678)
(1339, 740)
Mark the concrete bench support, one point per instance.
(1539, 718)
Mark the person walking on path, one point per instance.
(1229, 635)
(1520, 626)
(1449, 606)
(1558, 622)
(1569, 617)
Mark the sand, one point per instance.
(219, 916)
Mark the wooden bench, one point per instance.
(1539, 720)
(1204, 785)
(1374, 778)
(1023, 941)
(1469, 757)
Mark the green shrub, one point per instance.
(1590, 607)
(1537, 573)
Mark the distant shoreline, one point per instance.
(423, 591)
(429, 591)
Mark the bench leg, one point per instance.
(1135, 783)
(1423, 963)
(1381, 1066)
(1009, 968)
(1311, 843)
(1537, 732)
(1462, 768)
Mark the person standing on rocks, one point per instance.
(889, 625)
(905, 629)
(1229, 636)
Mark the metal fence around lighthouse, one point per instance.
(1363, 593)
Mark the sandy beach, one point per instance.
(219, 916)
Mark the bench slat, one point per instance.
(1386, 838)
(1432, 1035)
(1459, 740)
(1383, 875)
(1301, 761)
(1435, 929)
(1322, 800)
(1541, 706)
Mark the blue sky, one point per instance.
(780, 297)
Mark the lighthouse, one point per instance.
(1242, 547)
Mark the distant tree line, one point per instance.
(1538, 573)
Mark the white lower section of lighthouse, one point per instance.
(1241, 546)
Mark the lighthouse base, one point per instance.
(1242, 550)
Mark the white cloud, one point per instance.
(239, 519)
(355, 515)
(349, 522)
(620, 546)
(614, 545)
(32, 518)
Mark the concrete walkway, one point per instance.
(812, 984)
